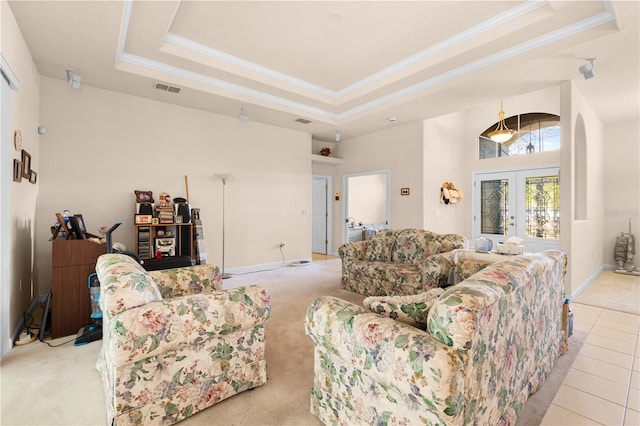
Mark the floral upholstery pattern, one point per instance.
(490, 342)
(410, 310)
(167, 359)
(398, 262)
(465, 268)
(180, 281)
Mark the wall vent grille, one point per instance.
(166, 87)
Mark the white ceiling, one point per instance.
(345, 66)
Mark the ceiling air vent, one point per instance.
(166, 87)
(303, 121)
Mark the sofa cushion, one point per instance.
(414, 246)
(390, 278)
(124, 284)
(378, 249)
(412, 310)
(450, 242)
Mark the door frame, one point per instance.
(345, 204)
(329, 217)
(9, 82)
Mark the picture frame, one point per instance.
(144, 196)
(75, 228)
(81, 224)
(17, 170)
(144, 219)
(404, 191)
(33, 177)
(26, 164)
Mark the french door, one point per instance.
(522, 203)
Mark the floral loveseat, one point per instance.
(398, 262)
(173, 343)
(489, 343)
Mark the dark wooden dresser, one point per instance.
(73, 261)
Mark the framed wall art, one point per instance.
(26, 164)
(17, 170)
(33, 177)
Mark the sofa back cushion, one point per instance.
(378, 249)
(124, 284)
(450, 242)
(414, 246)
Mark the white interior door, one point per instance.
(320, 217)
(522, 203)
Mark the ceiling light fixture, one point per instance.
(338, 136)
(587, 70)
(502, 133)
(243, 115)
(73, 79)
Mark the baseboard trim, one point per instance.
(589, 281)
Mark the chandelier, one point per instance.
(502, 133)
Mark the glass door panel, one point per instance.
(494, 207)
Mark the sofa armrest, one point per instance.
(352, 251)
(168, 324)
(436, 269)
(397, 356)
(187, 280)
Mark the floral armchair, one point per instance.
(173, 343)
(398, 262)
(489, 343)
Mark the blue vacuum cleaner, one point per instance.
(93, 331)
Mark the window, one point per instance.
(535, 132)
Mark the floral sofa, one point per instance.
(398, 262)
(489, 343)
(173, 342)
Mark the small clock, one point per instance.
(17, 140)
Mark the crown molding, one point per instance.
(217, 85)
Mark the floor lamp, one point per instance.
(224, 179)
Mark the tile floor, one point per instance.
(603, 384)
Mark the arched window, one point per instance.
(534, 132)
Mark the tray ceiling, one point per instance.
(342, 65)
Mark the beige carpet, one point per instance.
(40, 385)
(610, 290)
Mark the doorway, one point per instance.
(367, 204)
(521, 203)
(320, 214)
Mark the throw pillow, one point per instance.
(412, 310)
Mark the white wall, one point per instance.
(398, 149)
(622, 185)
(586, 242)
(101, 146)
(367, 201)
(445, 147)
(23, 196)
